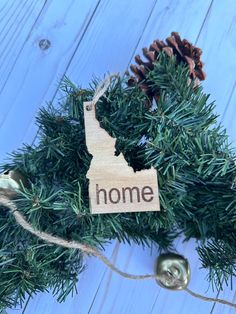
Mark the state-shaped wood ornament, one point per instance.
(114, 187)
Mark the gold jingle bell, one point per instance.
(173, 271)
(10, 182)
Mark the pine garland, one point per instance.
(178, 134)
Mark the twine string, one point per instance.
(101, 89)
(48, 238)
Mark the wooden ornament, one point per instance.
(114, 187)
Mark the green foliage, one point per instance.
(219, 257)
(177, 134)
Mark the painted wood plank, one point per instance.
(180, 16)
(172, 302)
(218, 41)
(17, 18)
(227, 295)
(110, 40)
(90, 282)
(36, 72)
(120, 295)
(228, 119)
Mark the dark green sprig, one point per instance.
(177, 135)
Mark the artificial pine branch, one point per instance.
(178, 135)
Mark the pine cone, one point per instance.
(183, 50)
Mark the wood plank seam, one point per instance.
(3, 8)
(76, 48)
(113, 259)
(144, 28)
(228, 101)
(20, 51)
(204, 22)
(69, 62)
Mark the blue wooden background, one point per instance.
(40, 42)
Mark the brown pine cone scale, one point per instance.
(184, 52)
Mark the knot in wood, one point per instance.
(44, 44)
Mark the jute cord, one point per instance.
(87, 249)
(101, 89)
